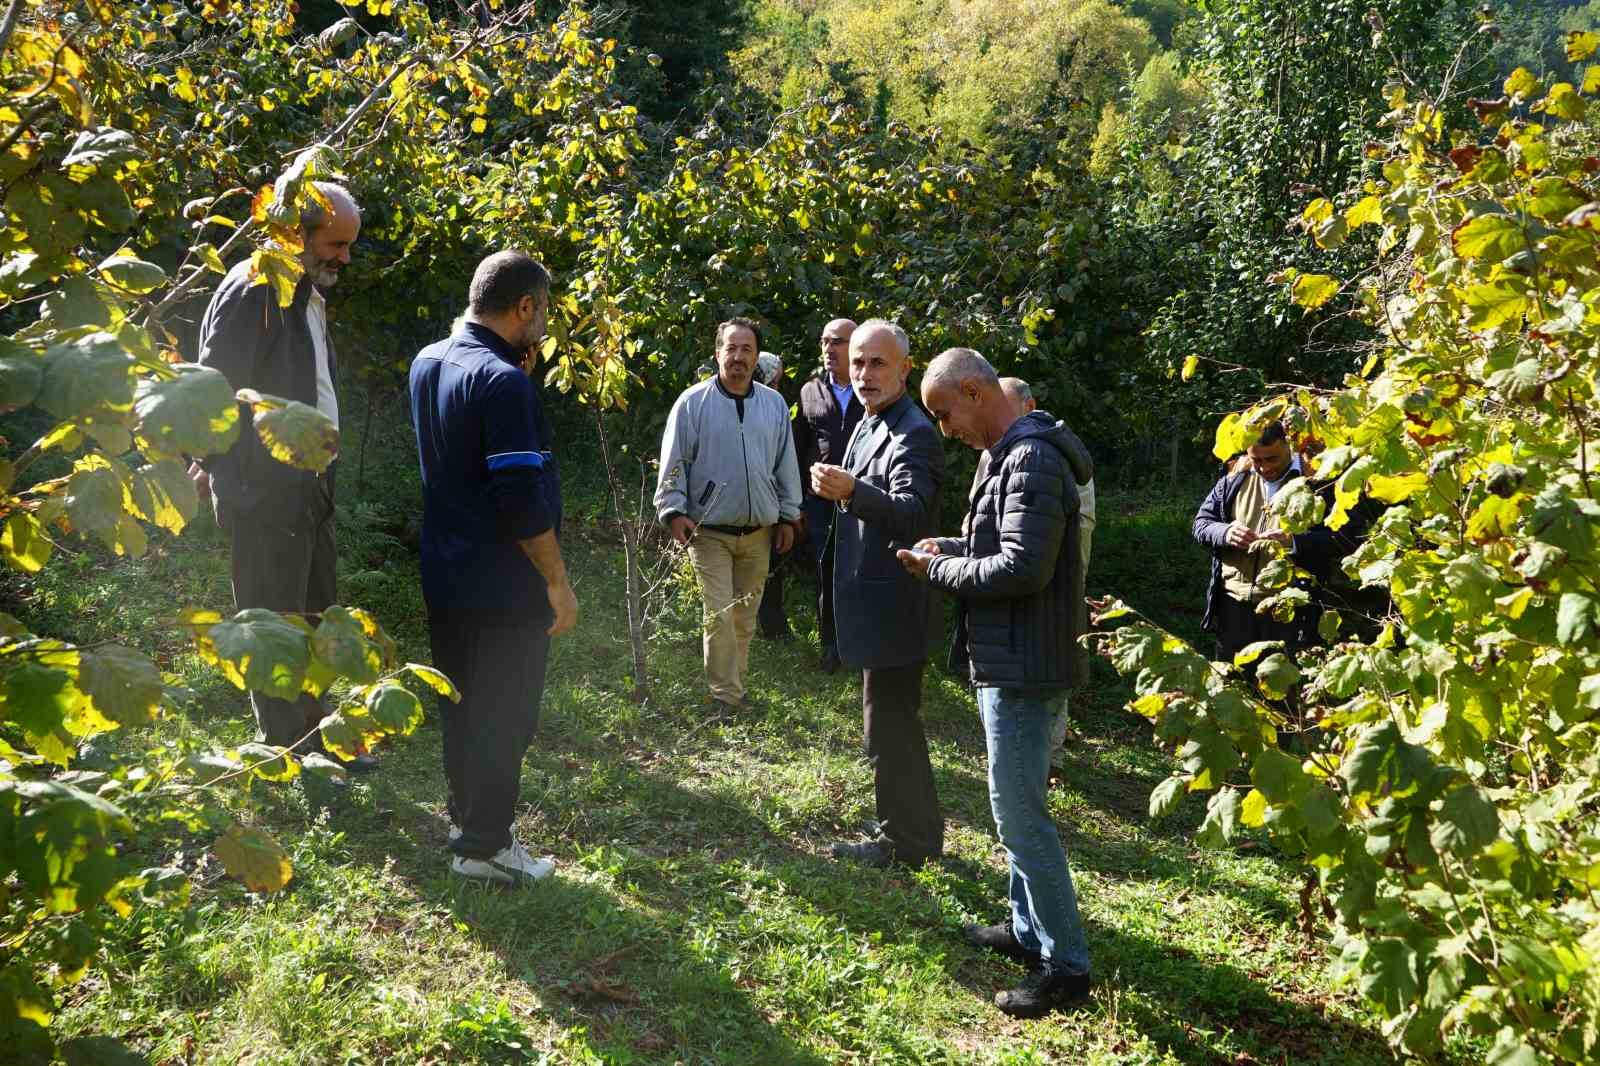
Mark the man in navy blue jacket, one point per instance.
(492, 573)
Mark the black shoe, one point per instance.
(830, 664)
(1046, 988)
(877, 854)
(361, 764)
(1002, 939)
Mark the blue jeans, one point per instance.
(1017, 724)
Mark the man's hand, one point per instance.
(1278, 536)
(682, 527)
(1239, 536)
(564, 602)
(916, 562)
(783, 538)
(201, 479)
(927, 545)
(833, 483)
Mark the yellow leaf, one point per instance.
(1581, 45)
(1230, 432)
(1148, 706)
(1522, 83)
(1591, 78)
(1318, 210)
(1190, 365)
(266, 103)
(1397, 488)
(479, 125)
(253, 857)
(1313, 290)
(1513, 605)
(1253, 811)
(1367, 211)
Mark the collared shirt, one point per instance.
(841, 393)
(1272, 487)
(489, 480)
(317, 320)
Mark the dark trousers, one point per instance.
(897, 748)
(771, 618)
(1238, 626)
(819, 524)
(499, 669)
(284, 560)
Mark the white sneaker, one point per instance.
(454, 834)
(510, 865)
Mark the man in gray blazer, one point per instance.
(887, 496)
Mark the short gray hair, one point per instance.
(1017, 389)
(313, 215)
(956, 365)
(901, 341)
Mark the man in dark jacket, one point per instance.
(1015, 571)
(492, 573)
(1236, 522)
(279, 518)
(828, 413)
(886, 493)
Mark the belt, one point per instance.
(733, 531)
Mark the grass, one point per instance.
(696, 917)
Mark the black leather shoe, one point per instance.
(361, 764)
(874, 853)
(1001, 939)
(829, 665)
(1046, 988)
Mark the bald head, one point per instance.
(1019, 394)
(836, 349)
(962, 392)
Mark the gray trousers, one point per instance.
(284, 560)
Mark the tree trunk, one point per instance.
(630, 557)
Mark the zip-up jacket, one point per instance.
(728, 460)
(821, 429)
(1018, 571)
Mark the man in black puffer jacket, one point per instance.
(1018, 574)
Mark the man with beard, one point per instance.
(886, 493)
(279, 519)
(492, 572)
(729, 491)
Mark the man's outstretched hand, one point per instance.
(915, 562)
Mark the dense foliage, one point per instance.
(1441, 776)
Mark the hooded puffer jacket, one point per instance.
(1017, 570)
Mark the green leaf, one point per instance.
(1466, 822)
(94, 502)
(268, 762)
(1555, 198)
(164, 496)
(1165, 797)
(80, 301)
(293, 432)
(394, 709)
(1222, 819)
(340, 643)
(1277, 675)
(1251, 652)
(1492, 237)
(83, 374)
(133, 275)
(262, 652)
(1510, 1049)
(1576, 617)
(340, 737)
(123, 685)
(1278, 776)
(251, 856)
(193, 413)
(1389, 974)
(1495, 303)
(207, 768)
(1564, 102)
(100, 1051)
(1363, 768)
(101, 147)
(21, 373)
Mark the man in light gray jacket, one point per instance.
(730, 490)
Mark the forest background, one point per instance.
(1160, 213)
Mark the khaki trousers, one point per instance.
(732, 571)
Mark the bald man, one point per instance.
(1020, 395)
(827, 415)
(1015, 572)
(280, 518)
(886, 493)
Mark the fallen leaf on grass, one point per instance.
(595, 988)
